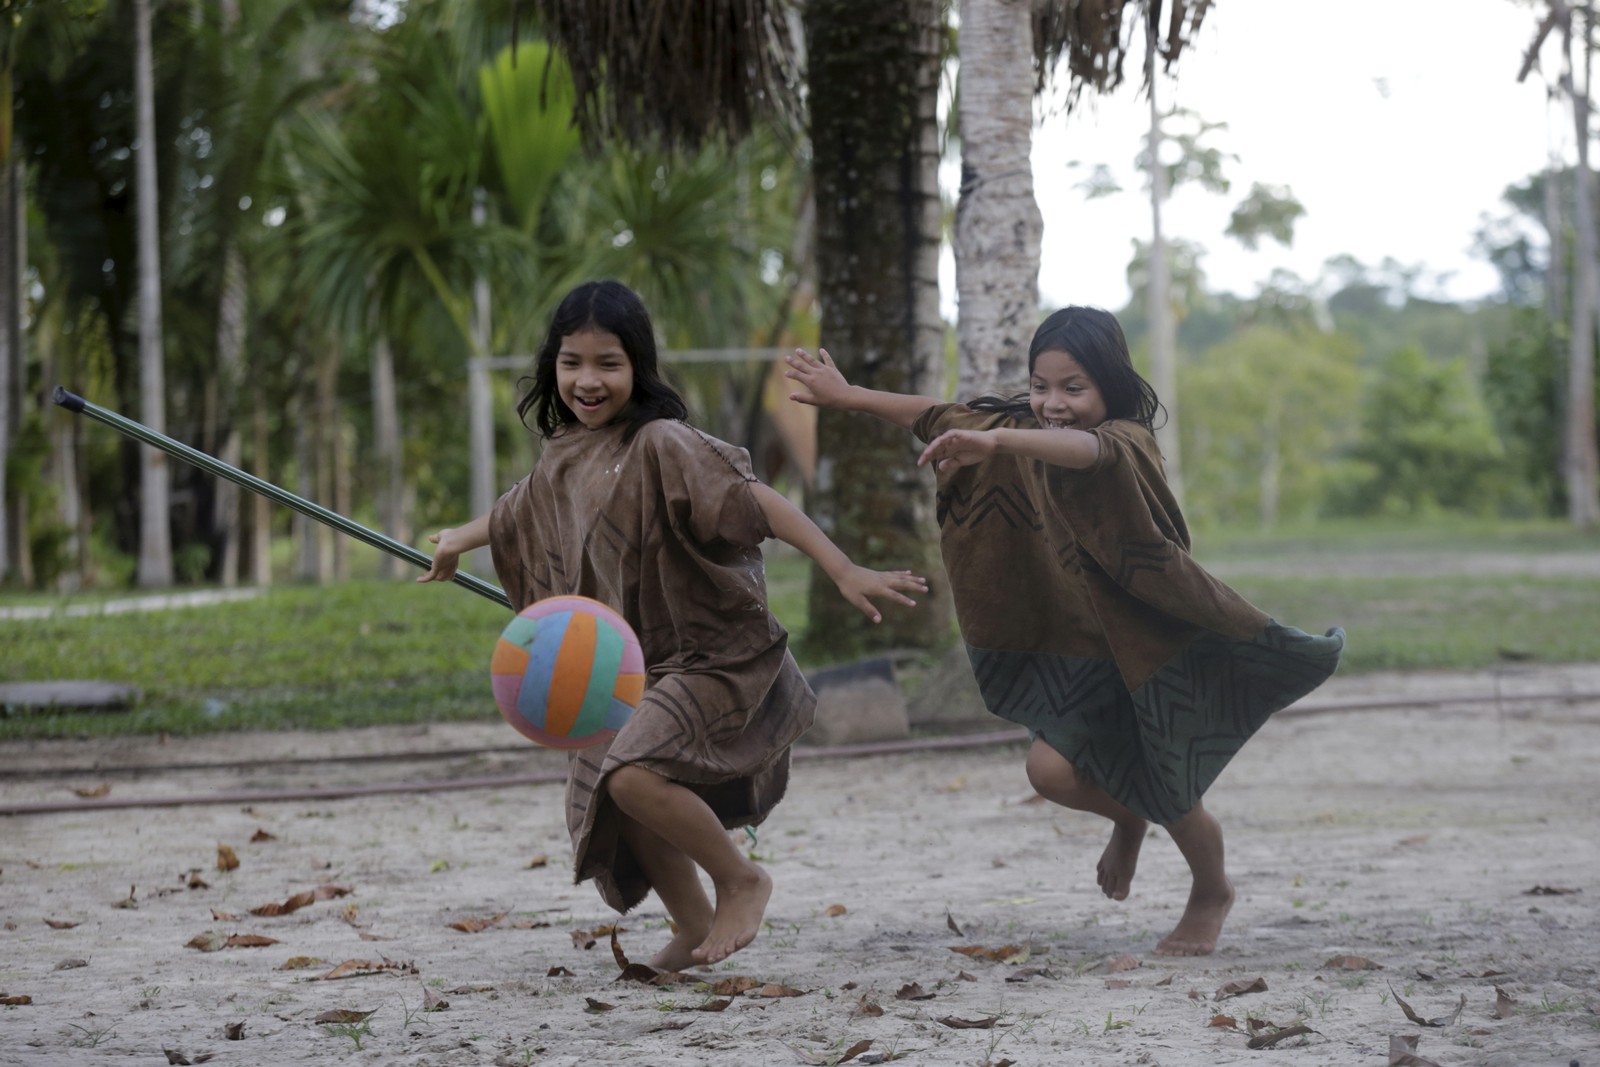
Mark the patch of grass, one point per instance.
(373, 652)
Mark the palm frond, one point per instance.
(1092, 38)
(678, 71)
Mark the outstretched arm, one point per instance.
(823, 386)
(453, 544)
(857, 584)
(1064, 447)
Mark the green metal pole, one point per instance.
(74, 403)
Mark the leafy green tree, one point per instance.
(1428, 443)
(1269, 411)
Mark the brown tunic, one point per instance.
(1087, 620)
(665, 530)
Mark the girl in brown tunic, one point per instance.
(631, 506)
(1084, 615)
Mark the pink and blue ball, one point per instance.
(567, 672)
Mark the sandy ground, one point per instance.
(1445, 858)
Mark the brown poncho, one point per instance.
(1087, 620)
(665, 530)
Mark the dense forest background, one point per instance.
(365, 213)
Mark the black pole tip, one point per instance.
(71, 401)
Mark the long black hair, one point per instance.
(613, 308)
(1094, 338)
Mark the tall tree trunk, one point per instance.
(155, 539)
(1582, 460)
(1163, 332)
(230, 359)
(386, 452)
(261, 507)
(998, 225)
(874, 72)
(11, 362)
(480, 407)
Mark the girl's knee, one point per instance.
(1051, 775)
(628, 785)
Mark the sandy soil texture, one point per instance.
(1429, 872)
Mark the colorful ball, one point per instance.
(567, 672)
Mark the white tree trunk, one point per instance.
(386, 451)
(480, 409)
(261, 507)
(1163, 333)
(10, 356)
(1582, 461)
(998, 224)
(230, 359)
(155, 538)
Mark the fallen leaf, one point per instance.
(226, 860)
(1004, 954)
(912, 991)
(329, 891)
(299, 963)
(529, 924)
(71, 965)
(197, 882)
(675, 1024)
(1167, 980)
(234, 1031)
(1268, 1040)
(963, 976)
(1352, 963)
(129, 902)
(538, 861)
(225, 916)
(342, 1015)
(94, 791)
(951, 923)
(294, 903)
(260, 836)
(369, 936)
(868, 1006)
(986, 1023)
(1402, 1052)
(774, 990)
(835, 910)
(1443, 1020)
(1549, 891)
(1226, 1022)
(732, 987)
(476, 926)
(1414, 840)
(1505, 1005)
(359, 968)
(432, 1001)
(713, 1005)
(853, 1051)
(249, 941)
(597, 1005)
(468, 990)
(1239, 987)
(210, 941)
(559, 972)
(59, 924)
(18, 1001)
(1123, 963)
(1113, 983)
(1028, 974)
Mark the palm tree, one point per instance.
(998, 226)
(155, 538)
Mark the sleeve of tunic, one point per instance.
(706, 484)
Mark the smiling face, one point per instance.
(594, 376)
(1061, 393)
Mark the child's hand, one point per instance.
(860, 584)
(821, 383)
(958, 448)
(446, 561)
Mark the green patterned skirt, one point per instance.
(1157, 748)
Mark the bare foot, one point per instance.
(1115, 869)
(678, 954)
(1197, 931)
(740, 907)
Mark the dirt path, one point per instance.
(1453, 847)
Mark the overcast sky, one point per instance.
(1396, 123)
